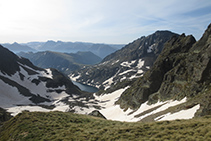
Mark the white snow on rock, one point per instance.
(164, 105)
(150, 48)
(61, 106)
(74, 78)
(115, 62)
(133, 76)
(48, 74)
(109, 81)
(148, 67)
(183, 114)
(127, 64)
(126, 72)
(110, 110)
(18, 109)
(8, 98)
(140, 71)
(114, 112)
(140, 63)
(40, 89)
(123, 78)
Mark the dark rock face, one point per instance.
(145, 49)
(183, 69)
(142, 47)
(4, 116)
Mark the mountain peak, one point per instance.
(15, 43)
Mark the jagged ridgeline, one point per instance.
(183, 69)
(125, 64)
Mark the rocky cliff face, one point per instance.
(126, 64)
(183, 69)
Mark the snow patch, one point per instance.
(140, 71)
(60, 106)
(115, 62)
(18, 109)
(183, 114)
(148, 67)
(123, 78)
(140, 63)
(165, 105)
(74, 78)
(126, 72)
(110, 110)
(109, 81)
(114, 112)
(127, 64)
(48, 74)
(10, 96)
(150, 48)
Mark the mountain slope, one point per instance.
(126, 64)
(181, 70)
(65, 62)
(67, 126)
(24, 86)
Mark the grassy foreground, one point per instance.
(67, 126)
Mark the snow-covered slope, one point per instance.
(162, 110)
(24, 86)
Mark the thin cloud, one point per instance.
(110, 21)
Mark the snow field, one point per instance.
(114, 112)
(183, 114)
(127, 64)
(18, 109)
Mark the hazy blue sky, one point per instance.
(99, 21)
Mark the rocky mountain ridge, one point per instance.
(181, 70)
(128, 63)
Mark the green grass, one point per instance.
(67, 126)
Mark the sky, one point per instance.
(100, 21)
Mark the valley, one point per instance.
(156, 78)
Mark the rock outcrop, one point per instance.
(183, 69)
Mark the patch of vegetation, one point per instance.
(68, 126)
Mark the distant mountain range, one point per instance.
(15, 47)
(101, 50)
(64, 62)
